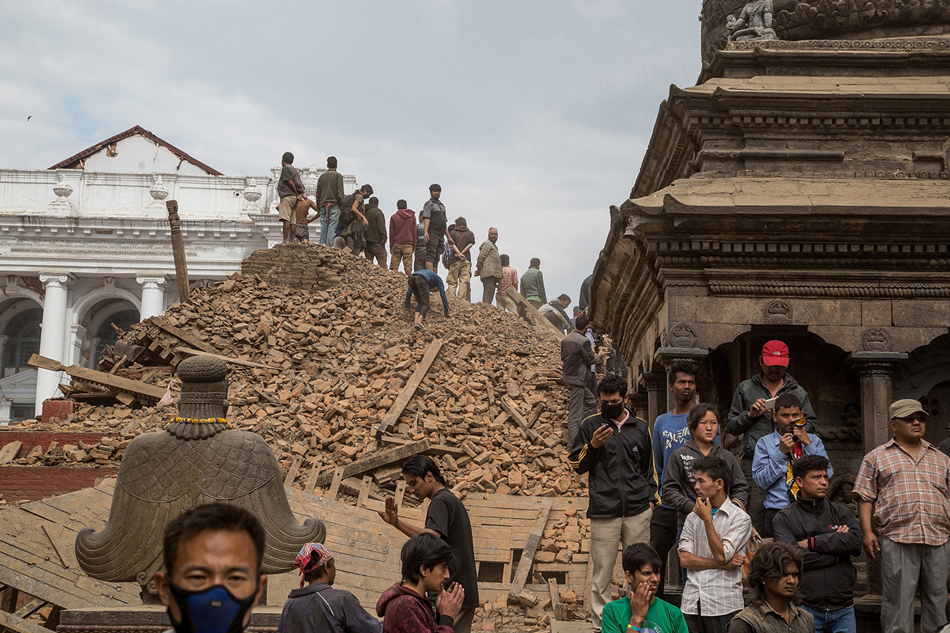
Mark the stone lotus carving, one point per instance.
(63, 190)
(186, 465)
(251, 193)
(754, 23)
(158, 191)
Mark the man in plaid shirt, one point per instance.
(509, 279)
(906, 483)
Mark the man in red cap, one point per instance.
(751, 415)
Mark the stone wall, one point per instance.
(294, 266)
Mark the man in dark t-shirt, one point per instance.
(446, 519)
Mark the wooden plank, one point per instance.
(410, 389)
(227, 359)
(19, 625)
(312, 480)
(364, 491)
(533, 315)
(509, 406)
(335, 486)
(381, 458)
(180, 334)
(135, 387)
(292, 473)
(529, 550)
(30, 608)
(400, 492)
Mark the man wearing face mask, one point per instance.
(212, 578)
(614, 447)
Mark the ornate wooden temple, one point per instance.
(799, 191)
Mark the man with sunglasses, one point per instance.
(905, 484)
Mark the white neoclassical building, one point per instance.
(85, 246)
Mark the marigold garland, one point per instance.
(203, 421)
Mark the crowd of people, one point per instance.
(679, 487)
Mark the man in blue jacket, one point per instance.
(421, 283)
(614, 448)
(776, 454)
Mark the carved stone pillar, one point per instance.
(876, 373)
(153, 296)
(52, 334)
(3, 345)
(655, 383)
(669, 355)
(640, 403)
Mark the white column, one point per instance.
(153, 297)
(52, 336)
(3, 345)
(5, 406)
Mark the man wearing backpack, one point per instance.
(353, 219)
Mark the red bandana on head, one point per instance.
(311, 556)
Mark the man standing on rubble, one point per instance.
(488, 266)
(446, 519)
(460, 270)
(509, 279)
(751, 416)
(330, 198)
(577, 357)
(436, 227)
(290, 191)
(402, 237)
(532, 284)
(375, 233)
(615, 448)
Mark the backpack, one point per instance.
(346, 212)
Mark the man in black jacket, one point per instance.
(615, 449)
(829, 535)
(318, 606)
(751, 417)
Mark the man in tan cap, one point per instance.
(905, 483)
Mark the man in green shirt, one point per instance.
(641, 610)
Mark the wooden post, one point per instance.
(178, 250)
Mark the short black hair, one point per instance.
(435, 187)
(213, 516)
(535, 263)
(401, 204)
(612, 383)
(331, 162)
(638, 555)
(419, 465)
(374, 201)
(367, 188)
(316, 572)
(787, 401)
(769, 563)
(682, 367)
(288, 158)
(715, 468)
(809, 463)
(564, 298)
(423, 550)
(505, 260)
(697, 413)
(581, 322)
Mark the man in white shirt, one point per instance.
(712, 550)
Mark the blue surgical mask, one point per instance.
(211, 610)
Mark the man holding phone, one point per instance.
(776, 453)
(615, 448)
(751, 418)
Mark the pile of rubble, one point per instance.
(321, 368)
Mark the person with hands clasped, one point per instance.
(712, 549)
(614, 448)
(904, 484)
(425, 569)
(776, 454)
(641, 610)
(446, 519)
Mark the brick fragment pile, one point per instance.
(334, 330)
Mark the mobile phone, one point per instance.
(770, 404)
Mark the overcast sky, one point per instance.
(533, 115)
